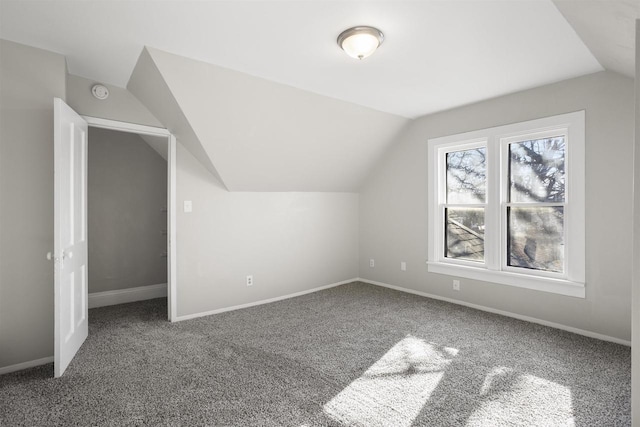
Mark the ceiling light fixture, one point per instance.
(360, 42)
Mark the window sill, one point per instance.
(544, 284)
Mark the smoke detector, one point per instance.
(100, 91)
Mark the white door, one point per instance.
(70, 234)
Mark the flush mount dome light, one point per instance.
(360, 42)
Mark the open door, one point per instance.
(70, 234)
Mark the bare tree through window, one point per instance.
(466, 188)
(535, 212)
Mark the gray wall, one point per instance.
(293, 242)
(266, 136)
(127, 189)
(393, 205)
(29, 80)
(289, 242)
(120, 105)
(635, 376)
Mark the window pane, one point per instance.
(466, 176)
(535, 237)
(536, 170)
(464, 233)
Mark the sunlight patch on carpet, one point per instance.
(509, 397)
(394, 389)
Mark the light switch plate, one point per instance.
(188, 206)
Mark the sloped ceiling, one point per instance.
(148, 85)
(436, 55)
(608, 29)
(269, 102)
(265, 136)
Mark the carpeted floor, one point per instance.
(355, 355)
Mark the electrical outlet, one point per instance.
(403, 266)
(372, 263)
(456, 285)
(249, 280)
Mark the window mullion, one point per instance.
(492, 213)
(440, 196)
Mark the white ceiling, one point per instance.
(437, 54)
(608, 29)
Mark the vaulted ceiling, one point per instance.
(260, 92)
(260, 135)
(607, 28)
(437, 54)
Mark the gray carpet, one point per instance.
(355, 355)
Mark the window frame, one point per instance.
(442, 194)
(495, 268)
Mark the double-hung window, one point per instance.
(506, 205)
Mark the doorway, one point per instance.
(135, 282)
(126, 217)
(70, 252)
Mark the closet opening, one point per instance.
(129, 213)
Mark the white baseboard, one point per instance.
(264, 301)
(503, 313)
(25, 365)
(122, 296)
(100, 299)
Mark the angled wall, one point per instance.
(148, 85)
(393, 205)
(289, 242)
(266, 136)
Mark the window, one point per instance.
(506, 205)
(464, 207)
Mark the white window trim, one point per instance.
(494, 269)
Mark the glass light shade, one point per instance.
(360, 45)
(360, 42)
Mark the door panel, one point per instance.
(70, 234)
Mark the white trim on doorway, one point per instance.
(172, 215)
(97, 122)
